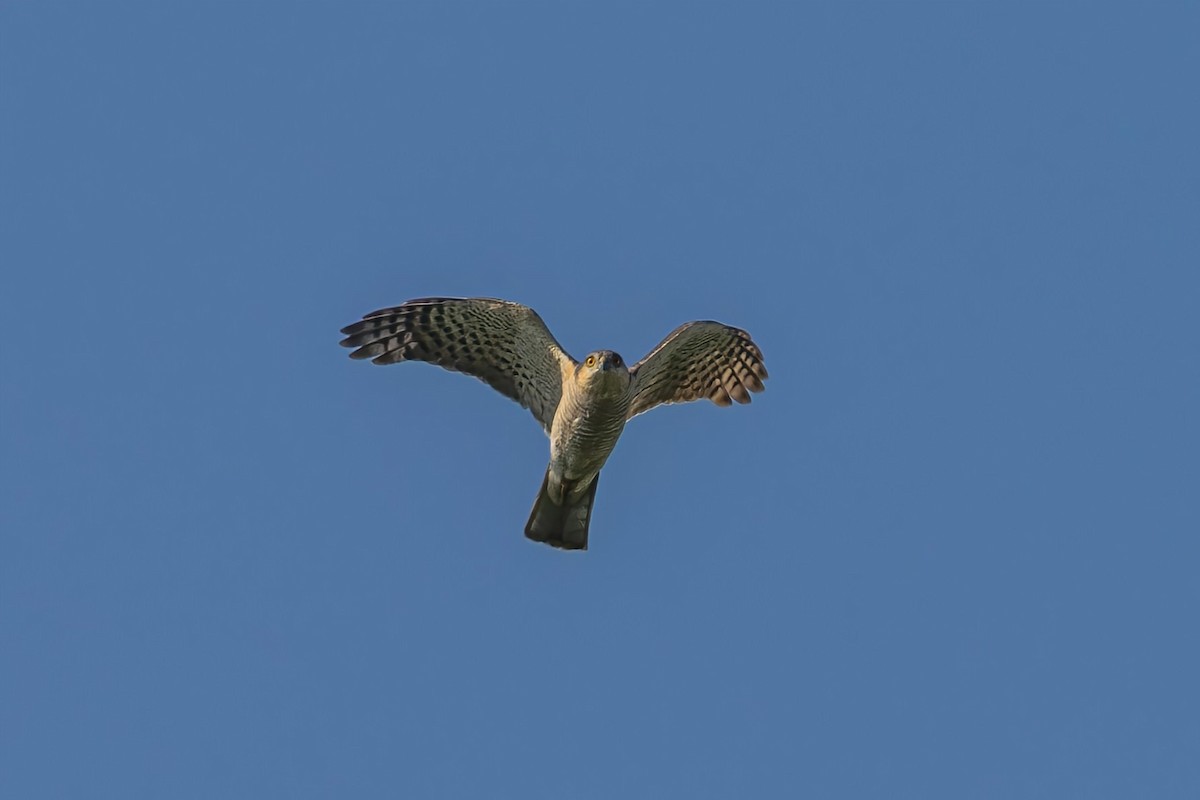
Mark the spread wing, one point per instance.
(506, 345)
(697, 360)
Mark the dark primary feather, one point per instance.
(506, 345)
(698, 360)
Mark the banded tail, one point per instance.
(563, 526)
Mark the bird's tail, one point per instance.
(562, 525)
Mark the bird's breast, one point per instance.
(584, 435)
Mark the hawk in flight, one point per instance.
(582, 405)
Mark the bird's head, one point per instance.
(605, 367)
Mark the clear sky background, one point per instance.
(950, 553)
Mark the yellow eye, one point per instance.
(591, 361)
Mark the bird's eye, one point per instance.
(616, 359)
(591, 361)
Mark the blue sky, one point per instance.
(951, 552)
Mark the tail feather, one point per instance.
(563, 526)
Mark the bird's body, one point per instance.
(583, 406)
(589, 418)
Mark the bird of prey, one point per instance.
(582, 405)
